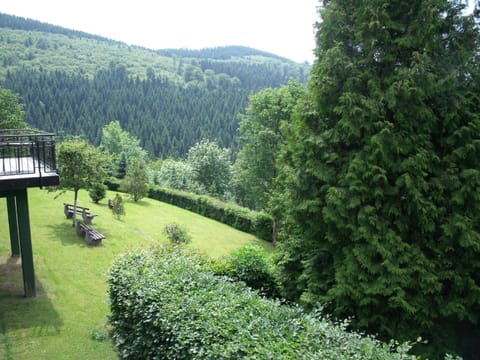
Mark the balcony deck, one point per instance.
(27, 160)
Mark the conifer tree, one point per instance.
(136, 180)
(380, 195)
(122, 166)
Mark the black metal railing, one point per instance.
(26, 151)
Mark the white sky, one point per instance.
(282, 27)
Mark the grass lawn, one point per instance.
(72, 299)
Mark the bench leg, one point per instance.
(90, 241)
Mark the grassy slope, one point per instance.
(72, 296)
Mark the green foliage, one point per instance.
(80, 166)
(100, 334)
(256, 223)
(261, 138)
(136, 180)
(380, 177)
(175, 174)
(97, 192)
(11, 111)
(112, 184)
(177, 234)
(251, 265)
(123, 146)
(210, 166)
(76, 83)
(122, 165)
(118, 209)
(165, 305)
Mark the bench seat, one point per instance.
(81, 211)
(92, 236)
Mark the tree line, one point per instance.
(168, 118)
(75, 84)
(20, 23)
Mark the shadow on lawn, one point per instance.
(37, 314)
(66, 234)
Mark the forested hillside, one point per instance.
(75, 83)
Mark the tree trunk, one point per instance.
(75, 208)
(276, 227)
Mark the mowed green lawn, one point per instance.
(72, 299)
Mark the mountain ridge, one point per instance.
(74, 84)
(21, 23)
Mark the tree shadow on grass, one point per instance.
(142, 202)
(21, 316)
(66, 234)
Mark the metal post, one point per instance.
(25, 243)
(13, 225)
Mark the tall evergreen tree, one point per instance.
(122, 166)
(381, 176)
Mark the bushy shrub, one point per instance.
(251, 265)
(100, 334)
(112, 184)
(177, 234)
(97, 192)
(252, 222)
(165, 305)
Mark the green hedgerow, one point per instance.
(166, 304)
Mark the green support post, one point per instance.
(13, 225)
(25, 243)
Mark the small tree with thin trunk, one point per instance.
(118, 209)
(79, 165)
(136, 180)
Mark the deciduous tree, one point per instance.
(261, 137)
(210, 166)
(118, 141)
(11, 111)
(80, 165)
(175, 174)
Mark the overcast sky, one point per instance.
(283, 27)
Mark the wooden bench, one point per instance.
(92, 236)
(83, 211)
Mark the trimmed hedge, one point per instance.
(165, 305)
(252, 222)
(250, 264)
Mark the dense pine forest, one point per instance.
(76, 83)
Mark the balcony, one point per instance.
(27, 159)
